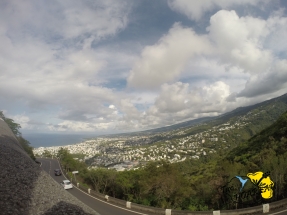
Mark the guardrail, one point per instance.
(265, 208)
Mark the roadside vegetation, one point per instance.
(15, 127)
(193, 184)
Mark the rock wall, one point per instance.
(25, 188)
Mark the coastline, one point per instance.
(48, 140)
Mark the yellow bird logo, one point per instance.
(264, 182)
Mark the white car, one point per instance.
(67, 184)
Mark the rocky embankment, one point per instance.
(25, 188)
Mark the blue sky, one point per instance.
(118, 66)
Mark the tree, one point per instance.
(165, 186)
(26, 146)
(15, 129)
(101, 179)
(69, 163)
(125, 183)
(12, 125)
(47, 154)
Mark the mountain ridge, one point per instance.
(195, 122)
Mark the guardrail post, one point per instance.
(89, 190)
(128, 205)
(77, 184)
(107, 197)
(216, 212)
(167, 211)
(265, 208)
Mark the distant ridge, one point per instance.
(180, 125)
(280, 103)
(163, 129)
(244, 110)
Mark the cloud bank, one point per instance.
(69, 66)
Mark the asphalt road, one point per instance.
(279, 212)
(102, 207)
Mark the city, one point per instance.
(125, 152)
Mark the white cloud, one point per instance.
(79, 126)
(275, 40)
(172, 98)
(64, 62)
(130, 112)
(47, 52)
(179, 102)
(234, 43)
(239, 40)
(245, 42)
(267, 82)
(23, 120)
(232, 46)
(61, 20)
(176, 102)
(98, 18)
(196, 9)
(164, 61)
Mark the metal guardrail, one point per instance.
(265, 208)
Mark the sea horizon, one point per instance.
(53, 139)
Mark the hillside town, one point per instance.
(130, 152)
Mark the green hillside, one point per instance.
(272, 138)
(230, 129)
(194, 184)
(265, 151)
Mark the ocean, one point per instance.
(47, 140)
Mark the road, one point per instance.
(102, 207)
(278, 212)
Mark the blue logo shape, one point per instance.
(242, 181)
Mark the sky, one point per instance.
(102, 67)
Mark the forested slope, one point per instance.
(266, 151)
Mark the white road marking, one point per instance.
(50, 168)
(100, 199)
(278, 212)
